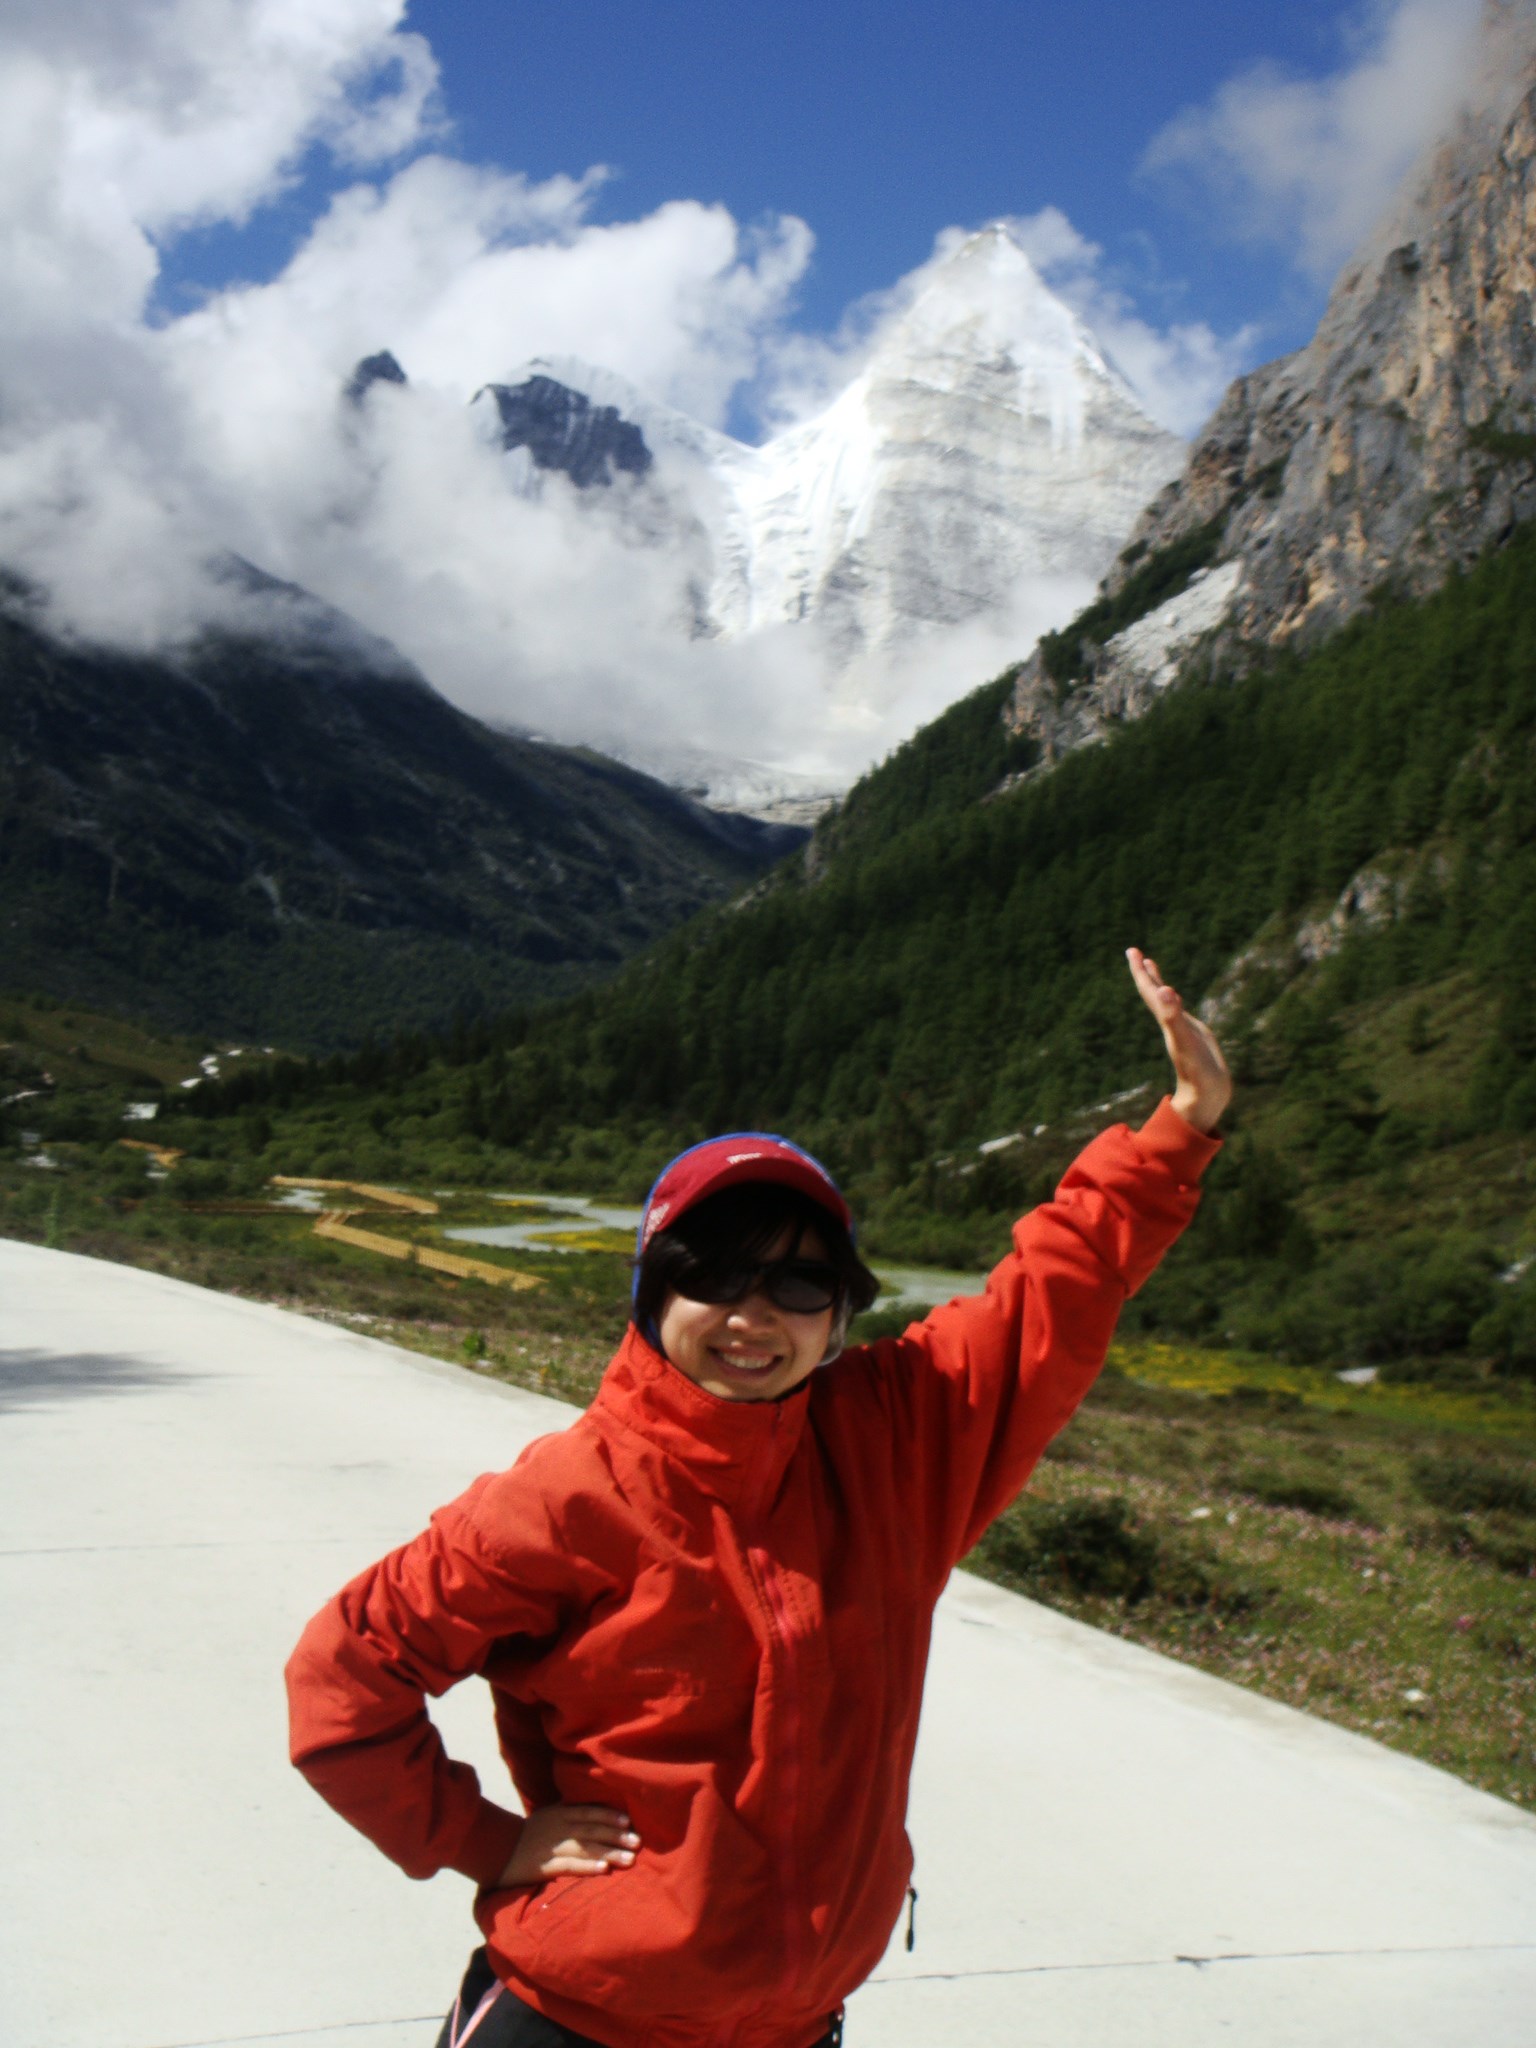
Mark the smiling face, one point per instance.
(748, 1350)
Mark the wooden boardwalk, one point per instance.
(337, 1225)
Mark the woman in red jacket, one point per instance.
(704, 1609)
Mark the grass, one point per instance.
(1368, 1554)
(81, 1047)
(1492, 1409)
(555, 1340)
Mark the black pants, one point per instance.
(511, 2024)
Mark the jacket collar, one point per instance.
(736, 1451)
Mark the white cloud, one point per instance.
(122, 122)
(131, 453)
(390, 104)
(1310, 163)
(133, 449)
(464, 274)
(128, 120)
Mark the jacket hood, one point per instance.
(735, 1451)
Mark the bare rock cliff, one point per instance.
(1397, 446)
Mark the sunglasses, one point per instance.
(802, 1287)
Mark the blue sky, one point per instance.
(880, 126)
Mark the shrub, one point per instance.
(1466, 1484)
(1506, 1334)
(1095, 1548)
(1309, 1491)
(124, 1177)
(1509, 1546)
(1421, 1295)
(197, 1180)
(79, 1119)
(1194, 1577)
(1340, 1152)
(1250, 1209)
(1512, 1550)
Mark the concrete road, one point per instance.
(1113, 1851)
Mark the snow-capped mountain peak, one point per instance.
(977, 473)
(988, 303)
(986, 441)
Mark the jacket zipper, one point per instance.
(779, 1625)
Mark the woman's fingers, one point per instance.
(1203, 1084)
(1164, 1002)
(572, 1841)
(1145, 970)
(597, 1832)
(572, 1862)
(579, 1847)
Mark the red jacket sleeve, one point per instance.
(979, 1388)
(489, 1567)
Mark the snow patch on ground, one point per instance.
(1154, 647)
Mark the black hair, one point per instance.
(744, 1222)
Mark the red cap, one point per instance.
(723, 1163)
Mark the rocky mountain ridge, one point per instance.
(563, 430)
(1396, 447)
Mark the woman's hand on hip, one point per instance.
(570, 1841)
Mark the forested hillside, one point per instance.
(1338, 849)
(288, 835)
(947, 963)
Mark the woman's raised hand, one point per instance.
(570, 1841)
(1202, 1085)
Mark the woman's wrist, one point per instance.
(1199, 1109)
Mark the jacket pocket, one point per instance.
(537, 1928)
(517, 1914)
